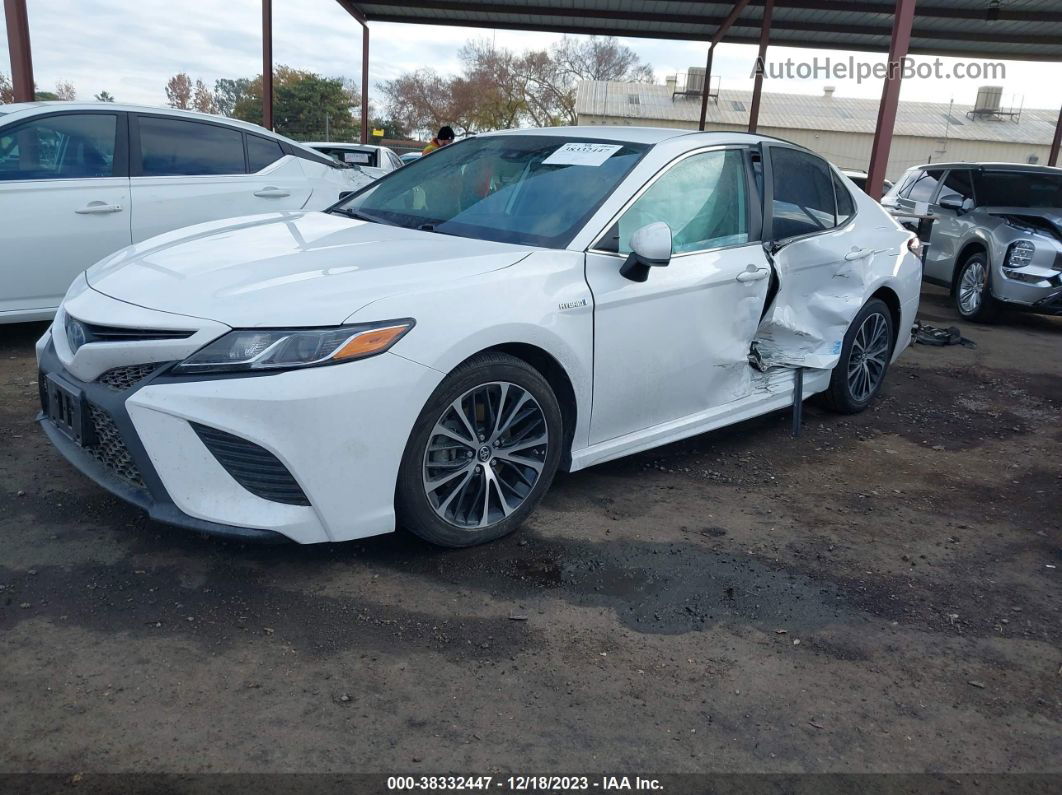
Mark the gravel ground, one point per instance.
(880, 594)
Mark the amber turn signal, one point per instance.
(367, 343)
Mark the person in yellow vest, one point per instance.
(445, 136)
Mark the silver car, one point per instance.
(996, 236)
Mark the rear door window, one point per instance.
(804, 200)
(66, 146)
(176, 147)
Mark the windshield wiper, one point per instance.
(358, 215)
(433, 227)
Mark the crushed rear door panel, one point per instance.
(819, 293)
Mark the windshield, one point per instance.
(526, 189)
(1018, 189)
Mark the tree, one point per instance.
(7, 91)
(305, 105)
(203, 100)
(104, 96)
(418, 100)
(499, 89)
(179, 91)
(390, 127)
(229, 93)
(573, 60)
(65, 91)
(496, 83)
(600, 58)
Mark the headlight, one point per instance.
(286, 349)
(1019, 254)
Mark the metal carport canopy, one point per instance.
(1020, 29)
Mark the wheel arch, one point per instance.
(892, 300)
(559, 380)
(969, 248)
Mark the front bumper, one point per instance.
(1050, 305)
(136, 481)
(1037, 286)
(339, 431)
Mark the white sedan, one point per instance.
(81, 180)
(429, 352)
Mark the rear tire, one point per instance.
(865, 356)
(971, 291)
(482, 453)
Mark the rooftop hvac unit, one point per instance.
(695, 80)
(988, 106)
(988, 99)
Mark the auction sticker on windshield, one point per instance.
(582, 154)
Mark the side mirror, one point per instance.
(955, 202)
(650, 247)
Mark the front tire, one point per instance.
(864, 361)
(973, 297)
(482, 453)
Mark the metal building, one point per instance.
(839, 128)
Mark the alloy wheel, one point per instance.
(485, 454)
(868, 357)
(971, 287)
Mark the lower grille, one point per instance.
(123, 378)
(253, 467)
(109, 449)
(1052, 303)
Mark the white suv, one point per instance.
(79, 181)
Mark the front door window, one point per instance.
(66, 146)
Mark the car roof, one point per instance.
(647, 135)
(1027, 167)
(25, 109)
(341, 144)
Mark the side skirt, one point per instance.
(770, 391)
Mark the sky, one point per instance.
(132, 47)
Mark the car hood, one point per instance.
(1046, 219)
(288, 269)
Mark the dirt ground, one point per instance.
(880, 594)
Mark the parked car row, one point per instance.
(79, 181)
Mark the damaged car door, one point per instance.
(677, 342)
(820, 260)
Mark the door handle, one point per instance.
(272, 193)
(753, 274)
(858, 254)
(98, 208)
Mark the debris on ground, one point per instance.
(925, 334)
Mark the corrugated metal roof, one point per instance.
(1022, 29)
(810, 112)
